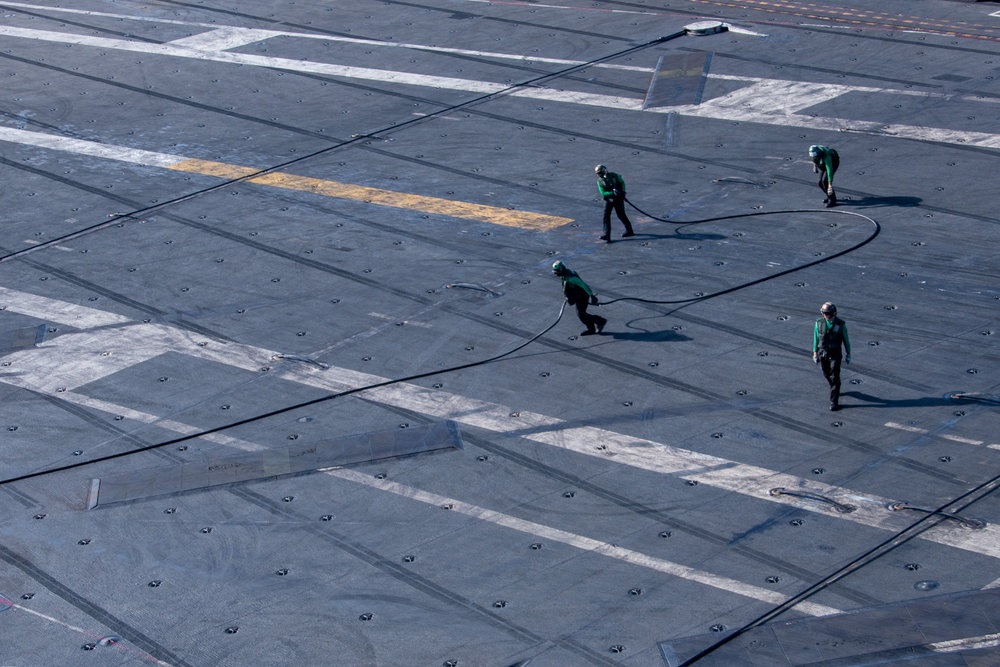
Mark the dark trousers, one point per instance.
(824, 182)
(618, 205)
(831, 371)
(589, 321)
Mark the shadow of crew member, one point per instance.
(579, 294)
(829, 335)
(825, 163)
(612, 188)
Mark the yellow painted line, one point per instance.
(434, 205)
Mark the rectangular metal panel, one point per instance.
(248, 466)
(678, 79)
(940, 630)
(18, 339)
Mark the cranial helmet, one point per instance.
(600, 170)
(558, 267)
(828, 307)
(813, 151)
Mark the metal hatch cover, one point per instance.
(265, 464)
(954, 629)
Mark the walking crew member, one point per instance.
(829, 335)
(612, 187)
(825, 162)
(579, 294)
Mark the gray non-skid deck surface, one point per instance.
(959, 629)
(424, 164)
(360, 448)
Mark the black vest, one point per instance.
(831, 336)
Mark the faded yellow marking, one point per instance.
(209, 168)
(447, 207)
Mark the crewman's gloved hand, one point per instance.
(815, 358)
(593, 300)
(829, 191)
(847, 359)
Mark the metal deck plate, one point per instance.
(268, 463)
(958, 629)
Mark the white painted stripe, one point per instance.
(222, 39)
(366, 73)
(581, 542)
(717, 108)
(90, 635)
(146, 418)
(51, 619)
(945, 436)
(73, 360)
(903, 427)
(966, 643)
(234, 30)
(774, 96)
(91, 148)
(254, 35)
(84, 12)
(743, 31)
(57, 312)
(826, 124)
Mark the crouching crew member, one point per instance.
(825, 163)
(579, 294)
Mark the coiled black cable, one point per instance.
(728, 290)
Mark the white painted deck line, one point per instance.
(54, 311)
(945, 436)
(267, 34)
(84, 12)
(777, 97)
(966, 643)
(91, 148)
(715, 109)
(222, 39)
(581, 542)
(75, 359)
(160, 422)
(121, 645)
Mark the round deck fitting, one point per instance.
(705, 28)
